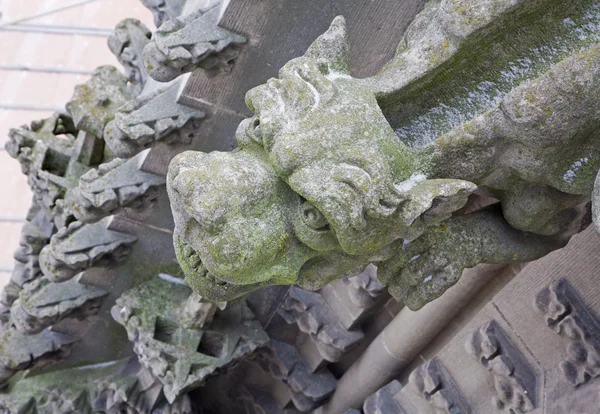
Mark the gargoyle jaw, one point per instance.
(203, 282)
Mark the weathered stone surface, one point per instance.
(364, 288)
(514, 380)
(383, 402)
(113, 387)
(42, 303)
(36, 234)
(152, 117)
(180, 355)
(344, 176)
(567, 315)
(312, 315)
(81, 246)
(95, 102)
(113, 188)
(307, 389)
(20, 351)
(127, 43)
(189, 42)
(164, 10)
(43, 150)
(433, 383)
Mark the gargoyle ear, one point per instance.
(332, 47)
(435, 200)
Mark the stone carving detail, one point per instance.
(82, 246)
(383, 402)
(434, 384)
(189, 42)
(36, 234)
(312, 315)
(514, 380)
(164, 10)
(42, 303)
(308, 390)
(324, 171)
(127, 43)
(44, 151)
(364, 288)
(567, 315)
(95, 103)
(150, 118)
(20, 351)
(113, 187)
(180, 355)
(114, 387)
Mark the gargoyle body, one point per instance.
(328, 175)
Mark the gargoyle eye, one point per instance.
(253, 130)
(313, 217)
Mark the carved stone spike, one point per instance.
(307, 389)
(95, 102)
(42, 303)
(164, 10)
(127, 43)
(189, 42)
(567, 315)
(113, 187)
(514, 380)
(82, 246)
(151, 118)
(312, 315)
(383, 402)
(433, 383)
(181, 356)
(364, 288)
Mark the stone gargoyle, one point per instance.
(334, 172)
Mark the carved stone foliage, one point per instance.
(127, 43)
(364, 288)
(432, 382)
(308, 389)
(20, 351)
(95, 102)
(566, 314)
(36, 234)
(113, 187)
(82, 246)
(312, 315)
(42, 303)
(189, 42)
(114, 387)
(150, 118)
(43, 150)
(514, 380)
(180, 355)
(383, 402)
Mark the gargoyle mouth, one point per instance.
(203, 282)
(193, 262)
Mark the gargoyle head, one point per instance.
(319, 185)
